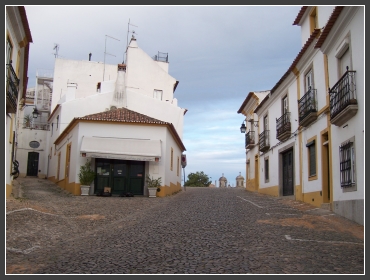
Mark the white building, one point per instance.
(342, 43)
(124, 117)
(250, 128)
(18, 38)
(310, 144)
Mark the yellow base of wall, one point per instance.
(313, 198)
(251, 186)
(273, 191)
(169, 190)
(9, 190)
(298, 193)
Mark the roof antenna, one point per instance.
(128, 31)
(56, 48)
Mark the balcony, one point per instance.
(283, 127)
(307, 108)
(37, 126)
(249, 140)
(343, 101)
(264, 141)
(12, 87)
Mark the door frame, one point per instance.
(28, 163)
(287, 148)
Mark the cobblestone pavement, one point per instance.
(196, 231)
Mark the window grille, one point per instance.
(347, 164)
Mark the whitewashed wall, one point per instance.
(141, 67)
(87, 74)
(354, 25)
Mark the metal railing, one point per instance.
(37, 126)
(264, 141)
(283, 124)
(307, 104)
(249, 138)
(12, 86)
(343, 93)
(161, 57)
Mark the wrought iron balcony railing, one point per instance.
(264, 141)
(343, 100)
(249, 139)
(12, 86)
(283, 127)
(37, 126)
(307, 107)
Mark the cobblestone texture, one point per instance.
(197, 231)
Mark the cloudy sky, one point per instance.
(217, 53)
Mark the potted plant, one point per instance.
(86, 177)
(27, 120)
(153, 185)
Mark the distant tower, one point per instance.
(222, 181)
(240, 181)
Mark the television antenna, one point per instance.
(56, 48)
(128, 31)
(105, 51)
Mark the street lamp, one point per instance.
(243, 128)
(35, 113)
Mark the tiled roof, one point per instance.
(329, 25)
(300, 15)
(121, 115)
(291, 68)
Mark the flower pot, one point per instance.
(85, 190)
(152, 192)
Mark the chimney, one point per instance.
(71, 91)
(89, 56)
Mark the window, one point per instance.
(57, 121)
(266, 123)
(347, 165)
(311, 151)
(52, 128)
(285, 105)
(308, 81)
(158, 94)
(266, 170)
(171, 159)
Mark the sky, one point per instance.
(217, 53)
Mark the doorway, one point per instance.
(122, 176)
(32, 164)
(288, 173)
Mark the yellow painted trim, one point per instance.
(169, 190)
(296, 72)
(298, 193)
(313, 20)
(9, 190)
(171, 160)
(312, 178)
(313, 198)
(251, 185)
(324, 166)
(324, 109)
(272, 191)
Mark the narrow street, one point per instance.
(197, 231)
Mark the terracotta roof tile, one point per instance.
(300, 15)
(329, 25)
(122, 115)
(314, 34)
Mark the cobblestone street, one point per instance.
(197, 231)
